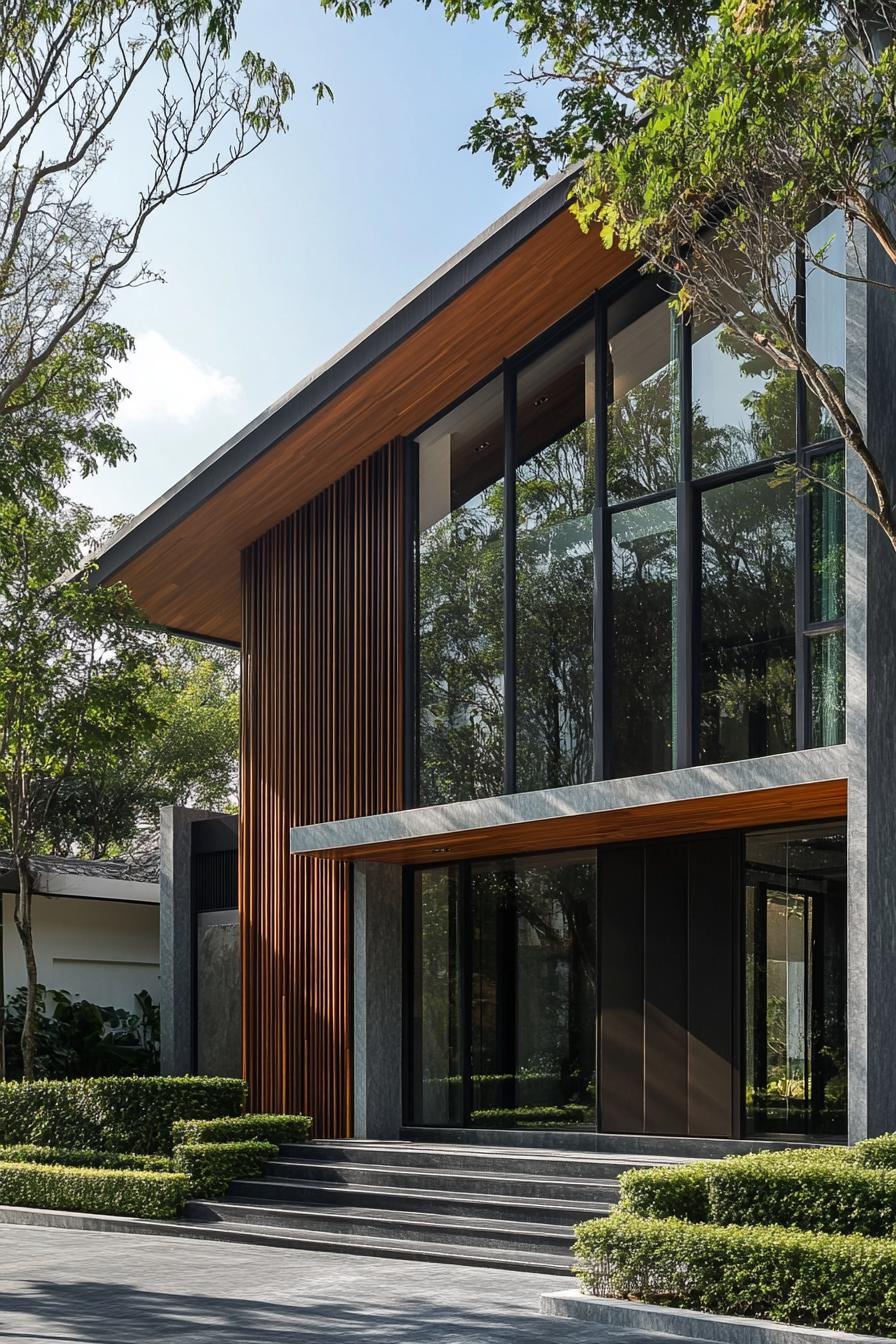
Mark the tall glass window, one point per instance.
(436, 1023)
(461, 601)
(827, 600)
(795, 1052)
(826, 315)
(643, 416)
(744, 406)
(555, 565)
(642, 638)
(747, 634)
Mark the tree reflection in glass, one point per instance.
(461, 602)
(555, 565)
(643, 417)
(747, 644)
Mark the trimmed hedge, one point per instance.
(212, 1166)
(775, 1273)
(532, 1116)
(819, 1190)
(879, 1152)
(141, 1194)
(84, 1157)
(133, 1115)
(239, 1128)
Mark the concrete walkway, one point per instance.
(104, 1288)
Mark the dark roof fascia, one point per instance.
(388, 331)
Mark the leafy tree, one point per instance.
(69, 72)
(709, 136)
(77, 673)
(188, 757)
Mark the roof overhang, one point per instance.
(181, 556)
(797, 787)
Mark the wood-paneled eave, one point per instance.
(188, 578)
(793, 803)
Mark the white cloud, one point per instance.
(166, 384)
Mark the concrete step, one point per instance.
(512, 1185)
(524, 1262)
(462, 1157)
(437, 1229)
(563, 1212)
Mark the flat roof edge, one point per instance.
(446, 283)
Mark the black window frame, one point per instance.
(687, 492)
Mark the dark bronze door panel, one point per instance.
(666, 946)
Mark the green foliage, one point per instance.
(237, 1128)
(532, 1117)
(187, 758)
(879, 1152)
(83, 1157)
(821, 1190)
(780, 1274)
(115, 1114)
(212, 1166)
(140, 1194)
(78, 1039)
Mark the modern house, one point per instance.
(95, 926)
(569, 768)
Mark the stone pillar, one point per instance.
(378, 991)
(871, 711)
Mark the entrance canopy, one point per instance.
(798, 786)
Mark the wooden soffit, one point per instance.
(793, 803)
(185, 573)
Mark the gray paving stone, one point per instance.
(59, 1286)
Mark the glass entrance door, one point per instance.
(796, 982)
(503, 1031)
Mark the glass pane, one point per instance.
(461, 601)
(534, 1001)
(642, 639)
(555, 565)
(826, 315)
(827, 667)
(643, 418)
(796, 981)
(747, 646)
(827, 587)
(744, 407)
(437, 1089)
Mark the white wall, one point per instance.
(103, 950)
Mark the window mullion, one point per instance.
(509, 578)
(687, 520)
(600, 544)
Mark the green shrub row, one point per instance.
(780, 1274)
(820, 1190)
(236, 1128)
(571, 1114)
(112, 1114)
(212, 1166)
(84, 1157)
(141, 1194)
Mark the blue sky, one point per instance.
(271, 270)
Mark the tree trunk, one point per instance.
(23, 924)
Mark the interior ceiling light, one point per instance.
(481, 447)
(541, 401)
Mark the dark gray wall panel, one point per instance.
(621, 960)
(712, 931)
(666, 989)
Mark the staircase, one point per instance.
(498, 1207)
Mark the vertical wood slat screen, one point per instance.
(321, 740)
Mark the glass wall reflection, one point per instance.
(796, 981)
(436, 999)
(644, 415)
(555, 565)
(642, 638)
(826, 315)
(747, 633)
(461, 601)
(744, 406)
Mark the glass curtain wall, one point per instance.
(612, 576)
(795, 1045)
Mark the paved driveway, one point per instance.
(110, 1289)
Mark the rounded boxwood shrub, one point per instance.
(233, 1129)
